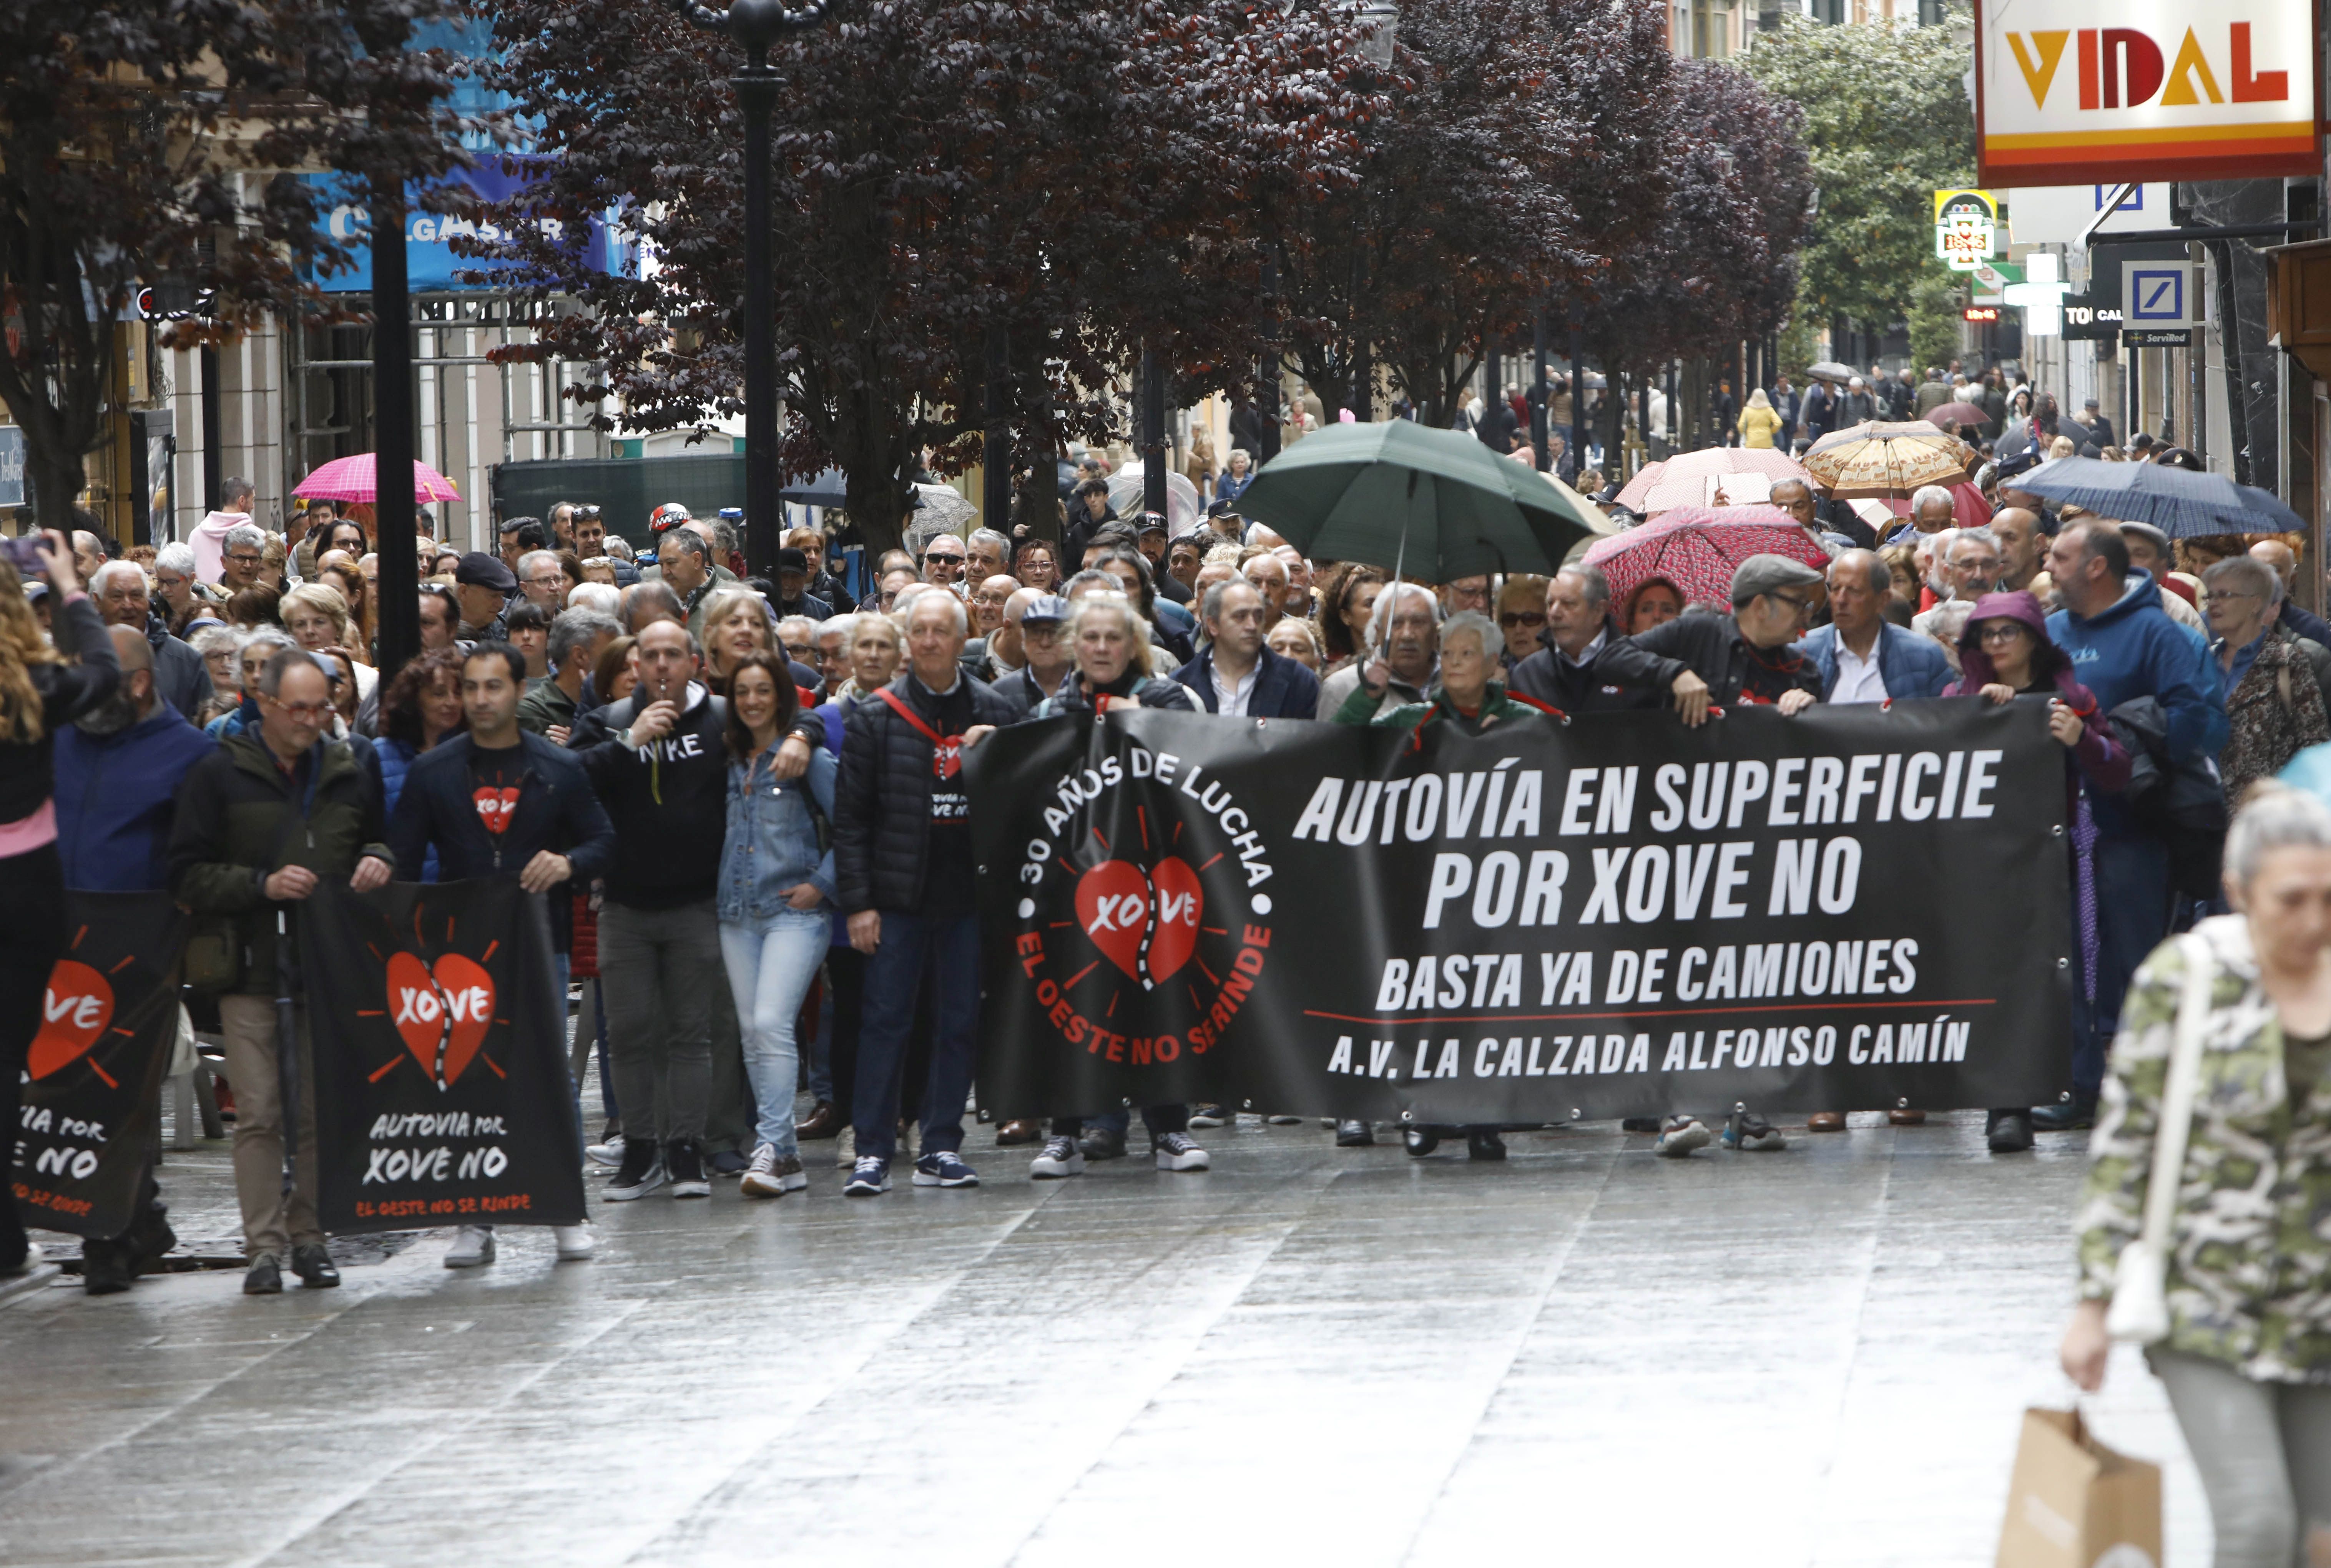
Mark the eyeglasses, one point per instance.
(310, 710)
(1802, 606)
(951, 560)
(1513, 618)
(245, 560)
(2007, 632)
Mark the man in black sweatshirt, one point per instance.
(660, 764)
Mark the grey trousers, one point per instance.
(2264, 1452)
(661, 972)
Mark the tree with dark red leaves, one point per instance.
(971, 196)
(150, 144)
(1719, 265)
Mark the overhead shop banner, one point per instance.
(2068, 92)
(92, 1087)
(1848, 908)
(441, 1087)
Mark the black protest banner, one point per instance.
(92, 1080)
(442, 1089)
(1850, 907)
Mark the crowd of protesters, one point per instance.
(744, 799)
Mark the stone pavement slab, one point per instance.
(1307, 1354)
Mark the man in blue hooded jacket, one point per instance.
(2124, 646)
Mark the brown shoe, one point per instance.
(1010, 1132)
(822, 1122)
(1825, 1122)
(1906, 1118)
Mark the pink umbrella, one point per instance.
(1696, 549)
(1770, 461)
(351, 478)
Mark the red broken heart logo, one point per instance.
(495, 807)
(74, 1012)
(1126, 911)
(443, 1017)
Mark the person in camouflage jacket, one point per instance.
(2250, 1263)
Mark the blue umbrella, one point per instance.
(2180, 502)
(2268, 509)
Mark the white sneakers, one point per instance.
(472, 1245)
(770, 1178)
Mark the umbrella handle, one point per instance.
(1399, 562)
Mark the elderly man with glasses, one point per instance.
(944, 563)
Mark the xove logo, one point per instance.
(1150, 874)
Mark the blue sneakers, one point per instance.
(944, 1168)
(868, 1176)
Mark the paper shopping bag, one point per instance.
(2075, 1502)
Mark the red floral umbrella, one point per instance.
(1698, 549)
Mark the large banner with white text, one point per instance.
(1853, 907)
(441, 1089)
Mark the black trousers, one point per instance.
(32, 940)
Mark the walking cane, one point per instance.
(287, 1054)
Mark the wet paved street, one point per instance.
(1307, 1355)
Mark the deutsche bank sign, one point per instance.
(2160, 294)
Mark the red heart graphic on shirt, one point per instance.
(495, 807)
(74, 1012)
(946, 757)
(443, 1017)
(1113, 907)
(1179, 901)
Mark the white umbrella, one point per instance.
(1182, 508)
(938, 509)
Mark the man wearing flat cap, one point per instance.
(1744, 657)
(483, 584)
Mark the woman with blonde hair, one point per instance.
(316, 616)
(39, 693)
(349, 579)
(735, 623)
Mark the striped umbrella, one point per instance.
(1698, 549)
(351, 478)
(1881, 458)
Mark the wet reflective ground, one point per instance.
(1306, 1356)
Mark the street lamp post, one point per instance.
(757, 26)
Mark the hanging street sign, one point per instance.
(2172, 90)
(1967, 229)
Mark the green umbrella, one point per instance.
(1400, 494)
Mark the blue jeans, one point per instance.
(771, 964)
(893, 975)
(2133, 908)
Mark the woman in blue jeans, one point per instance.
(777, 887)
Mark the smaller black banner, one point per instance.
(442, 1089)
(92, 1080)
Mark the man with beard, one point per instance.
(118, 769)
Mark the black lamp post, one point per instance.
(757, 26)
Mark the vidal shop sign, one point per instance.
(2070, 92)
(1847, 907)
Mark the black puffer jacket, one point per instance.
(882, 799)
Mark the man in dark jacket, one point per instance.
(119, 767)
(1744, 657)
(1586, 666)
(904, 872)
(494, 801)
(660, 764)
(1236, 674)
(262, 821)
(1820, 410)
(181, 678)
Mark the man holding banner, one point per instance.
(264, 820)
(494, 801)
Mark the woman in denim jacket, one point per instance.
(777, 889)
